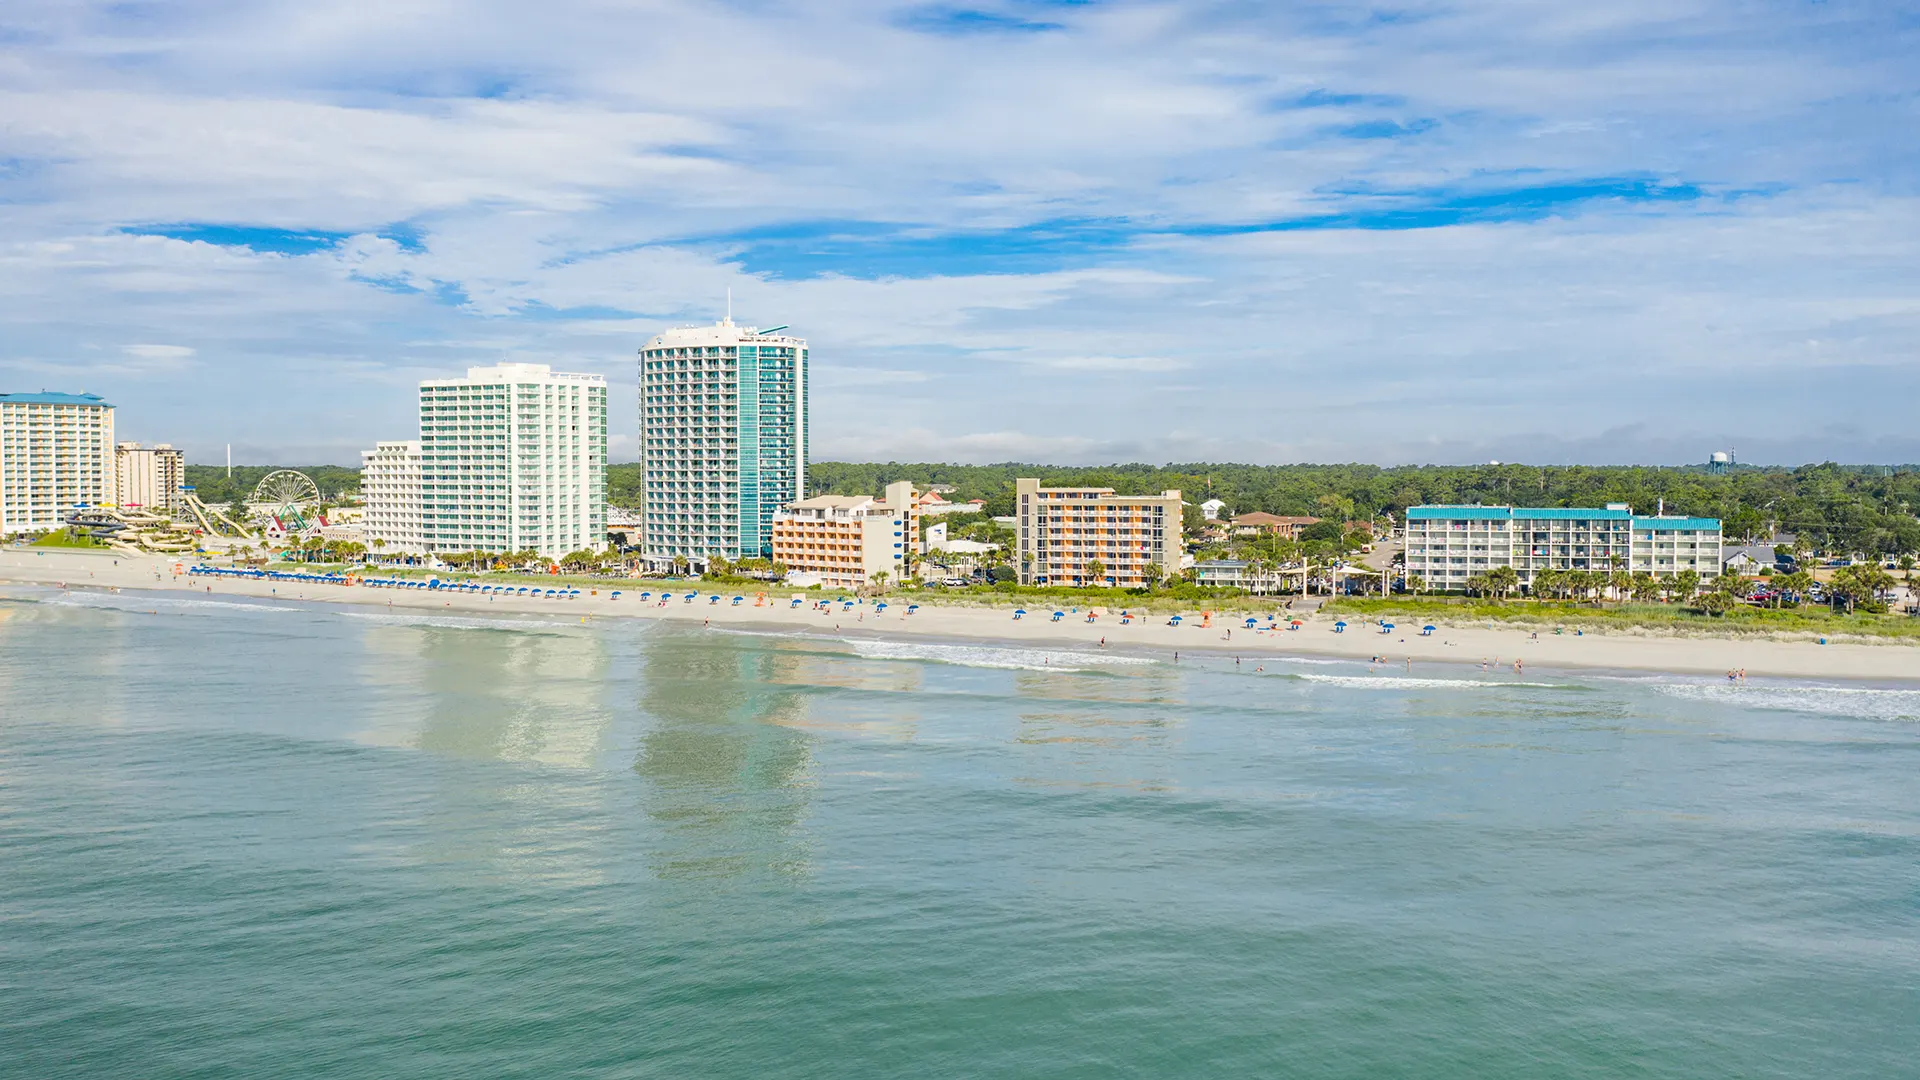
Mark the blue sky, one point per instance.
(1071, 232)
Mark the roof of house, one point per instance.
(50, 397)
(1261, 517)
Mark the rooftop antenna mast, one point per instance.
(729, 305)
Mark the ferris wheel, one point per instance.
(291, 497)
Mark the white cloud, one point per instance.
(952, 220)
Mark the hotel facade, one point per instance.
(1060, 532)
(723, 440)
(390, 490)
(847, 540)
(56, 454)
(149, 477)
(1448, 544)
(510, 458)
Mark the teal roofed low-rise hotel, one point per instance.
(1448, 544)
(723, 440)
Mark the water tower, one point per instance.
(1720, 461)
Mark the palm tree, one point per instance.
(1716, 602)
(1096, 571)
(1797, 583)
(1503, 580)
(1685, 584)
(1416, 583)
(1645, 587)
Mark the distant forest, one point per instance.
(1841, 507)
(1855, 508)
(211, 483)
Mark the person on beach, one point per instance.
(1516, 667)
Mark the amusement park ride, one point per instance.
(284, 503)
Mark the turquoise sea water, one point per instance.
(251, 840)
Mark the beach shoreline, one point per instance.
(1455, 645)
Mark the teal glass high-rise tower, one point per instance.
(723, 440)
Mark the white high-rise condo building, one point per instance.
(390, 487)
(723, 440)
(513, 458)
(149, 477)
(56, 454)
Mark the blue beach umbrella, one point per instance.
(1252, 622)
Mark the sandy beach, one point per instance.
(1468, 644)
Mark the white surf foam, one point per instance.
(1861, 702)
(140, 603)
(457, 622)
(986, 656)
(1405, 682)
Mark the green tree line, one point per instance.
(215, 488)
(1866, 509)
(1840, 508)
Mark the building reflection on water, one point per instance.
(509, 694)
(726, 756)
(1099, 731)
(526, 695)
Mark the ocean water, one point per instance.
(251, 840)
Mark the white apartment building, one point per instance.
(149, 477)
(513, 458)
(56, 454)
(723, 440)
(390, 490)
(1448, 544)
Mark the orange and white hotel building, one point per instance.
(845, 540)
(1063, 530)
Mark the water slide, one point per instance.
(208, 516)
